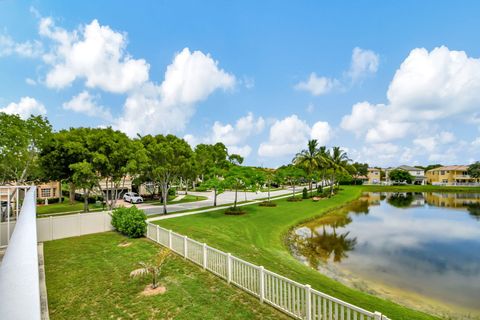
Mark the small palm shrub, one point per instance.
(129, 221)
(153, 268)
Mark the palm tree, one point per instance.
(309, 160)
(338, 162)
(324, 161)
(154, 268)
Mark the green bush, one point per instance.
(305, 193)
(50, 200)
(129, 221)
(267, 204)
(234, 211)
(172, 192)
(201, 188)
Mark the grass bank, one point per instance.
(259, 235)
(88, 278)
(415, 188)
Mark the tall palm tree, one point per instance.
(338, 162)
(309, 160)
(324, 161)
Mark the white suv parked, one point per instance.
(132, 197)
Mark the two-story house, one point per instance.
(418, 174)
(450, 175)
(373, 175)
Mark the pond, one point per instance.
(419, 249)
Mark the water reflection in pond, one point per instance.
(423, 243)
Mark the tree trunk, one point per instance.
(293, 185)
(214, 197)
(85, 200)
(72, 193)
(165, 197)
(268, 192)
(186, 187)
(235, 202)
(332, 183)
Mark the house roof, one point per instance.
(373, 169)
(451, 168)
(409, 168)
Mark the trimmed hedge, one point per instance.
(235, 211)
(129, 221)
(79, 197)
(50, 200)
(267, 204)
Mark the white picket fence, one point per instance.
(297, 300)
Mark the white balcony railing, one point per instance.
(19, 276)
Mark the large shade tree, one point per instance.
(166, 158)
(21, 142)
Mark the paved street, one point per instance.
(224, 198)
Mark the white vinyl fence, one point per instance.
(295, 299)
(52, 228)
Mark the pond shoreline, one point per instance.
(399, 295)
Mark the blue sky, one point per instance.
(392, 84)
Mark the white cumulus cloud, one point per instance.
(167, 107)
(317, 85)
(364, 62)
(94, 53)
(428, 86)
(25, 107)
(28, 49)
(235, 137)
(289, 135)
(87, 104)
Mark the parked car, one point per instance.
(132, 197)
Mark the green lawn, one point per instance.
(88, 278)
(259, 237)
(65, 206)
(187, 198)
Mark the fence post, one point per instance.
(204, 256)
(229, 267)
(377, 315)
(158, 233)
(308, 302)
(261, 274)
(170, 239)
(185, 248)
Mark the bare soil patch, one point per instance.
(150, 291)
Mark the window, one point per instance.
(442, 172)
(54, 192)
(45, 193)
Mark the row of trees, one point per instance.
(89, 159)
(332, 165)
